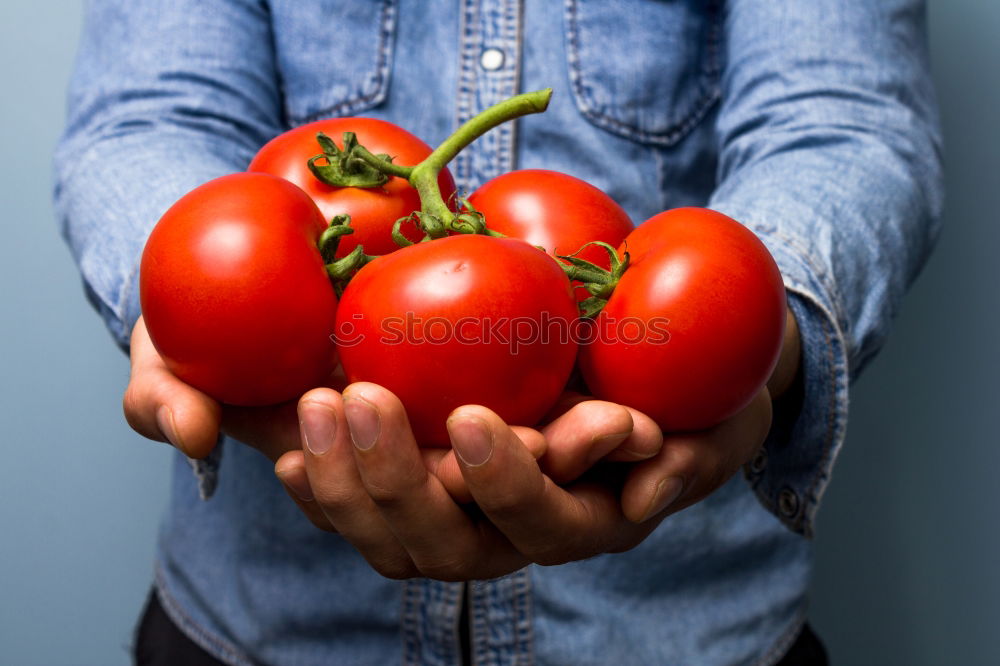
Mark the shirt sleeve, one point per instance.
(830, 151)
(165, 95)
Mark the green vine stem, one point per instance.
(438, 219)
(600, 283)
(340, 271)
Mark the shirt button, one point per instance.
(759, 462)
(788, 503)
(491, 59)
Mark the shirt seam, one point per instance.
(215, 645)
(783, 644)
(363, 101)
(709, 92)
(468, 17)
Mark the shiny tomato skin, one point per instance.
(553, 210)
(234, 292)
(477, 280)
(721, 295)
(373, 210)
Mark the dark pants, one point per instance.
(160, 643)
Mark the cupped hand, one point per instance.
(161, 407)
(361, 473)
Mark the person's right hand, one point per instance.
(160, 406)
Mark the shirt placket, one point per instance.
(500, 627)
(489, 72)
(431, 613)
(499, 610)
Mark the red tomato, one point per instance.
(462, 320)
(555, 211)
(373, 210)
(235, 294)
(694, 327)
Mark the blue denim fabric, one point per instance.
(814, 123)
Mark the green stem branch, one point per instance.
(384, 166)
(424, 176)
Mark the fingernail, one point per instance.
(165, 422)
(364, 420)
(318, 424)
(667, 493)
(295, 482)
(472, 440)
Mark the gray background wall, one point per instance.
(907, 546)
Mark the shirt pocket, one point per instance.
(647, 70)
(334, 58)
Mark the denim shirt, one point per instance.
(813, 123)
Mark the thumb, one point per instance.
(159, 406)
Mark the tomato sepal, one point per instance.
(346, 168)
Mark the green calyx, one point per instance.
(598, 282)
(347, 167)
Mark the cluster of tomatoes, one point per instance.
(683, 314)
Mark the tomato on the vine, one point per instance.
(373, 210)
(235, 294)
(553, 210)
(467, 319)
(694, 327)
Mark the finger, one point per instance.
(645, 440)
(443, 464)
(585, 433)
(566, 401)
(441, 538)
(291, 471)
(543, 521)
(690, 466)
(159, 406)
(337, 488)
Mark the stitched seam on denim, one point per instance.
(409, 623)
(215, 645)
(387, 22)
(466, 85)
(459, 595)
(518, 56)
(509, 82)
(780, 647)
(710, 88)
(525, 637)
(452, 593)
(477, 624)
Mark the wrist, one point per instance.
(790, 360)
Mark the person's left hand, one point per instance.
(363, 475)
